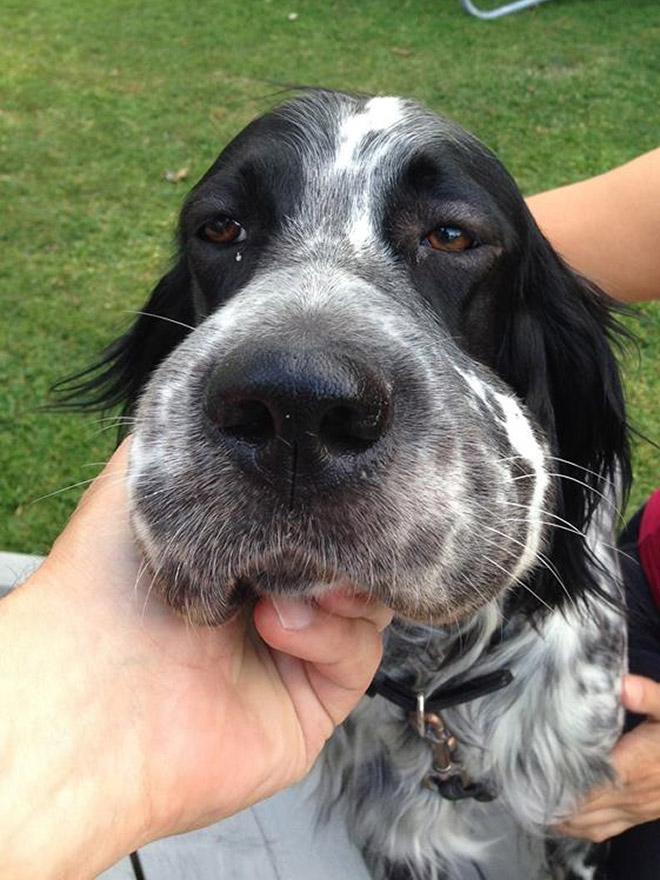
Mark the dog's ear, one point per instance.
(123, 369)
(557, 353)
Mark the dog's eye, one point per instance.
(449, 238)
(223, 230)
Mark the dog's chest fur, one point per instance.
(538, 744)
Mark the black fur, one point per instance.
(557, 353)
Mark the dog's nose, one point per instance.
(304, 414)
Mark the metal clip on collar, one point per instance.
(431, 727)
(446, 775)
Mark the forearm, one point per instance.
(67, 793)
(607, 227)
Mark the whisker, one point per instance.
(543, 560)
(114, 424)
(115, 418)
(73, 486)
(546, 512)
(580, 467)
(160, 317)
(518, 581)
(579, 483)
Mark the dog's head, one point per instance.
(367, 365)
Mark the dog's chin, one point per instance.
(212, 603)
(448, 613)
(203, 608)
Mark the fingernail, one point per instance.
(292, 613)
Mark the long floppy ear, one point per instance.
(121, 373)
(557, 353)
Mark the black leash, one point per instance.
(136, 864)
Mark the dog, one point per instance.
(368, 365)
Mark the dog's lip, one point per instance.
(247, 588)
(292, 572)
(343, 584)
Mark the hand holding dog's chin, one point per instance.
(127, 724)
(635, 797)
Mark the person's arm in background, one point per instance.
(608, 227)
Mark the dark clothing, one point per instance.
(635, 854)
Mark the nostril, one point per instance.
(351, 428)
(273, 407)
(247, 420)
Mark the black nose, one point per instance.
(309, 415)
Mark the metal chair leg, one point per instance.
(498, 12)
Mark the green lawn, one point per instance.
(103, 98)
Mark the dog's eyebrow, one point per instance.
(226, 190)
(199, 210)
(436, 211)
(456, 209)
(462, 213)
(210, 202)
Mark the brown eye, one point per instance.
(449, 238)
(223, 230)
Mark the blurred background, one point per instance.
(112, 110)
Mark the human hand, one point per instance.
(177, 726)
(635, 797)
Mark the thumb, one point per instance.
(642, 696)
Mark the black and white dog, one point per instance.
(371, 367)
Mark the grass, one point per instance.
(104, 98)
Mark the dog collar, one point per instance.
(446, 776)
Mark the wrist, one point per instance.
(71, 798)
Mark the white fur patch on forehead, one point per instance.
(379, 114)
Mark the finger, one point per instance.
(641, 695)
(325, 662)
(636, 758)
(606, 815)
(346, 649)
(112, 475)
(608, 825)
(315, 721)
(340, 656)
(610, 795)
(108, 491)
(345, 604)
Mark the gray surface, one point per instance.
(277, 839)
(15, 568)
(121, 871)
